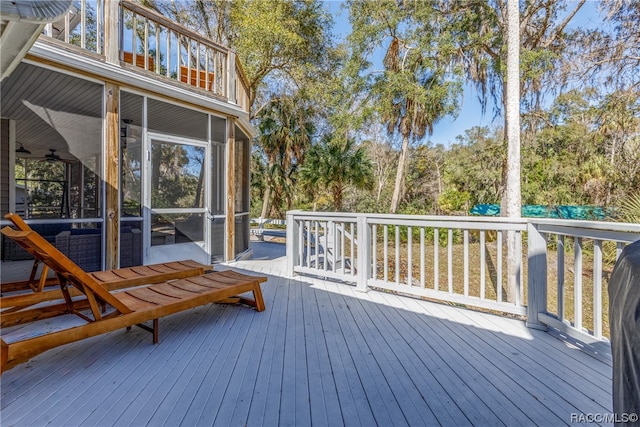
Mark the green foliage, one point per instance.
(453, 200)
(334, 165)
(583, 147)
(286, 129)
(631, 208)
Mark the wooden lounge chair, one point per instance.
(110, 279)
(105, 311)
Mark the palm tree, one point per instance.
(334, 165)
(512, 198)
(286, 128)
(413, 94)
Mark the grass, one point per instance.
(491, 279)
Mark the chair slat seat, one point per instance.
(124, 308)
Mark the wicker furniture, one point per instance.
(12, 252)
(84, 247)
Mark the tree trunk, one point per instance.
(397, 189)
(512, 198)
(265, 202)
(337, 196)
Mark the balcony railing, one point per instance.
(463, 260)
(151, 42)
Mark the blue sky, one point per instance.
(470, 113)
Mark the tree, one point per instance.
(286, 129)
(334, 165)
(413, 91)
(512, 200)
(284, 39)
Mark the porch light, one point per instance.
(22, 150)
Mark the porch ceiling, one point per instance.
(29, 89)
(36, 98)
(20, 24)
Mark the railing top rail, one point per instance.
(569, 223)
(155, 16)
(396, 217)
(241, 74)
(591, 225)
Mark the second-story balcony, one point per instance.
(150, 43)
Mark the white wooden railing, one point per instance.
(577, 307)
(151, 42)
(461, 260)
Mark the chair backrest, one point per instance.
(40, 248)
(18, 222)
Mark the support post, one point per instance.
(111, 176)
(230, 251)
(537, 277)
(292, 243)
(364, 253)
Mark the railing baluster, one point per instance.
(334, 246)
(482, 265)
(308, 234)
(422, 256)
(597, 289)
(374, 254)
(168, 54)
(146, 43)
(326, 245)
(197, 65)
(67, 24)
(409, 257)
(436, 260)
(300, 258)
(83, 24)
(342, 257)
(99, 29)
(352, 254)
(157, 68)
(317, 242)
(499, 266)
(450, 259)
(519, 268)
(577, 283)
(619, 248)
(465, 234)
(560, 281)
(397, 254)
(386, 253)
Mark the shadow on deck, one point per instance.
(320, 354)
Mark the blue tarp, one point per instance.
(541, 211)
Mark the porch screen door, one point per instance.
(176, 194)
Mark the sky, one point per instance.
(470, 112)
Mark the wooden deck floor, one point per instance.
(321, 354)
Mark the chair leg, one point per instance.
(156, 327)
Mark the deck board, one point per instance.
(321, 354)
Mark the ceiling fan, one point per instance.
(52, 157)
(22, 150)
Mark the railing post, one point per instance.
(111, 31)
(537, 277)
(293, 238)
(364, 253)
(231, 77)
